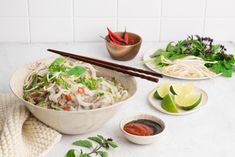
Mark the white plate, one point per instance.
(157, 103)
(147, 55)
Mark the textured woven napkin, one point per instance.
(21, 135)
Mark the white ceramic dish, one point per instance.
(72, 122)
(157, 103)
(142, 139)
(152, 67)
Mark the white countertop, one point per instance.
(209, 132)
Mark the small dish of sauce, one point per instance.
(142, 128)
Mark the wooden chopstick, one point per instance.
(120, 68)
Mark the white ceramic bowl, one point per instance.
(72, 122)
(142, 139)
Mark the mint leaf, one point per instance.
(112, 144)
(71, 153)
(77, 70)
(102, 153)
(83, 143)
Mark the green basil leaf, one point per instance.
(71, 153)
(78, 70)
(227, 72)
(83, 143)
(112, 144)
(102, 153)
(84, 155)
(101, 137)
(96, 139)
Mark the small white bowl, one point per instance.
(142, 139)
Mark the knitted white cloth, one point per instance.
(21, 135)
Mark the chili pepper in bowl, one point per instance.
(125, 37)
(115, 37)
(122, 45)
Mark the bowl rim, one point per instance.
(67, 112)
(139, 42)
(124, 121)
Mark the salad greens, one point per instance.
(202, 47)
(88, 143)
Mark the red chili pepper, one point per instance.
(68, 97)
(66, 108)
(81, 90)
(115, 36)
(132, 41)
(125, 36)
(113, 41)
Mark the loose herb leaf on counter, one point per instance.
(101, 147)
(202, 47)
(71, 153)
(83, 143)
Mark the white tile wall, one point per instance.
(220, 8)
(221, 28)
(95, 8)
(13, 8)
(139, 8)
(183, 8)
(50, 8)
(173, 29)
(14, 30)
(148, 29)
(85, 20)
(51, 29)
(90, 29)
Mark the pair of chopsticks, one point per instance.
(148, 75)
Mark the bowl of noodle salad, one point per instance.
(71, 96)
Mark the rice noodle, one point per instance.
(52, 88)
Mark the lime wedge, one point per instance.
(188, 102)
(181, 89)
(162, 91)
(168, 104)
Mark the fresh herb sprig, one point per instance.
(101, 144)
(202, 47)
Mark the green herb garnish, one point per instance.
(101, 94)
(90, 83)
(56, 107)
(57, 65)
(77, 70)
(202, 47)
(100, 148)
